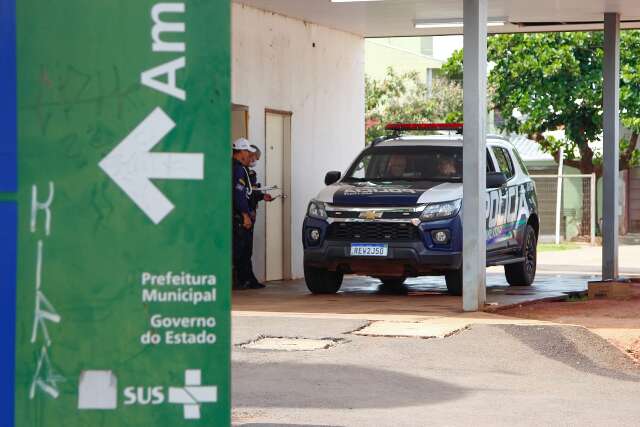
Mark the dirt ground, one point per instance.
(617, 321)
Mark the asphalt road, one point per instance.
(484, 375)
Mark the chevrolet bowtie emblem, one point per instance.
(370, 215)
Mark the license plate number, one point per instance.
(369, 249)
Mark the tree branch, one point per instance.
(567, 162)
(572, 163)
(586, 159)
(625, 158)
(633, 143)
(537, 137)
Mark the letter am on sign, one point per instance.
(131, 164)
(150, 77)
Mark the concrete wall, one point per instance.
(317, 74)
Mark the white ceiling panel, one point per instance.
(391, 18)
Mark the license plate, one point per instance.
(369, 249)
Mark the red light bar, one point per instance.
(423, 126)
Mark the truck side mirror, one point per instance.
(496, 179)
(332, 177)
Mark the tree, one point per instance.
(452, 68)
(406, 98)
(550, 81)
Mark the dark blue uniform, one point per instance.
(255, 197)
(242, 238)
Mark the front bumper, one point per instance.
(404, 258)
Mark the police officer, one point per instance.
(255, 197)
(242, 215)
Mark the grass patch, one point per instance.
(551, 247)
(577, 297)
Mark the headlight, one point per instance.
(441, 210)
(316, 210)
(314, 234)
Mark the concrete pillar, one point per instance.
(474, 153)
(611, 127)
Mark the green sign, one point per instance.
(124, 213)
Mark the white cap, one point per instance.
(242, 144)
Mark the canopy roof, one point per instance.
(395, 18)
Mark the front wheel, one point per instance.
(321, 280)
(523, 273)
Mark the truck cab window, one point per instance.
(504, 161)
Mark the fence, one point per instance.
(568, 214)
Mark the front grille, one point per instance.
(373, 231)
(400, 214)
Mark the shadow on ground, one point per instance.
(333, 386)
(577, 348)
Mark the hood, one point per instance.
(390, 194)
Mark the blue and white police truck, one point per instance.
(396, 213)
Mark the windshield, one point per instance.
(408, 164)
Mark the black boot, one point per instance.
(256, 285)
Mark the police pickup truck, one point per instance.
(396, 213)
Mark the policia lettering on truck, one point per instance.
(502, 212)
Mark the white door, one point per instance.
(276, 140)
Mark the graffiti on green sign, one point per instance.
(45, 378)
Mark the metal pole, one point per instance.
(474, 152)
(611, 73)
(559, 195)
(593, 208)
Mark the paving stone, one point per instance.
(289, 344)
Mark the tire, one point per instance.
(523, 273)
(454, 282)
(322, 281)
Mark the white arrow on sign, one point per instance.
(132, 165)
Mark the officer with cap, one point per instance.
(242, 215)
